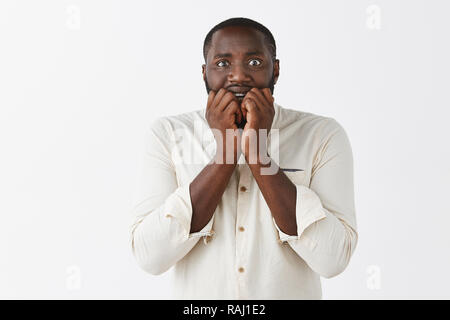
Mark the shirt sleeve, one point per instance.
(325, 212)
(162, 210)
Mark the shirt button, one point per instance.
(241, 270)
(241, 229)
(243, 189)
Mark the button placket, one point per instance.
(241, 220)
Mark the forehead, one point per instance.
(237, 40)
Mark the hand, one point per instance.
(257, 108)
(222, 114)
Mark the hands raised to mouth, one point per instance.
(233, 110)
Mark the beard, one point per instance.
(271, 86)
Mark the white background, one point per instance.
(80, 80)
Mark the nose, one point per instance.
(238, 74)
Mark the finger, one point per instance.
(268, 94)
(239, 115)
(218, 97)
(263, 102)
(251, 95)
(251, 109)
(211, 96)
(226, 100)
(233, 110)
(243, 111)
(249, 105)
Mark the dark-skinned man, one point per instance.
(273, 203)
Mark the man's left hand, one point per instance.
(257, 107)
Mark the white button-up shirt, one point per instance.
(241, 253)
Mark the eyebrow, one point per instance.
(228, 55)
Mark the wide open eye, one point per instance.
(222, 63)
(254, 62)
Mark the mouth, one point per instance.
(240, 95)
(240, 92)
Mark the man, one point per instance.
(266, 234)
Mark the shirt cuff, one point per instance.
(308, 210)
(180, 209)
(207, 232)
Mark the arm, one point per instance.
(280, 195)
(169, 219)
(317, 222)
(211, 181)
(222, 112)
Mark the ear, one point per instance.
(204, 71)
(276, 70)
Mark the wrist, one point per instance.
(222, 159)
(228, 151)
(257, 158)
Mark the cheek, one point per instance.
(215, 81)
(262, 79)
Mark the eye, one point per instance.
(222, 63)
(255, 62)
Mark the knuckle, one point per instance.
(231, 94)
(233, 107)
(228, 95)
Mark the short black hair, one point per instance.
(241, 22)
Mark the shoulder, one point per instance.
(307, 122)
(165, 126)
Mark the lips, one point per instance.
(239, 92)
(240, 95)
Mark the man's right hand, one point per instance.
(222, 113)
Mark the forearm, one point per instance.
(206, 191)
(280, 195)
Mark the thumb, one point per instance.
(249, 105)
